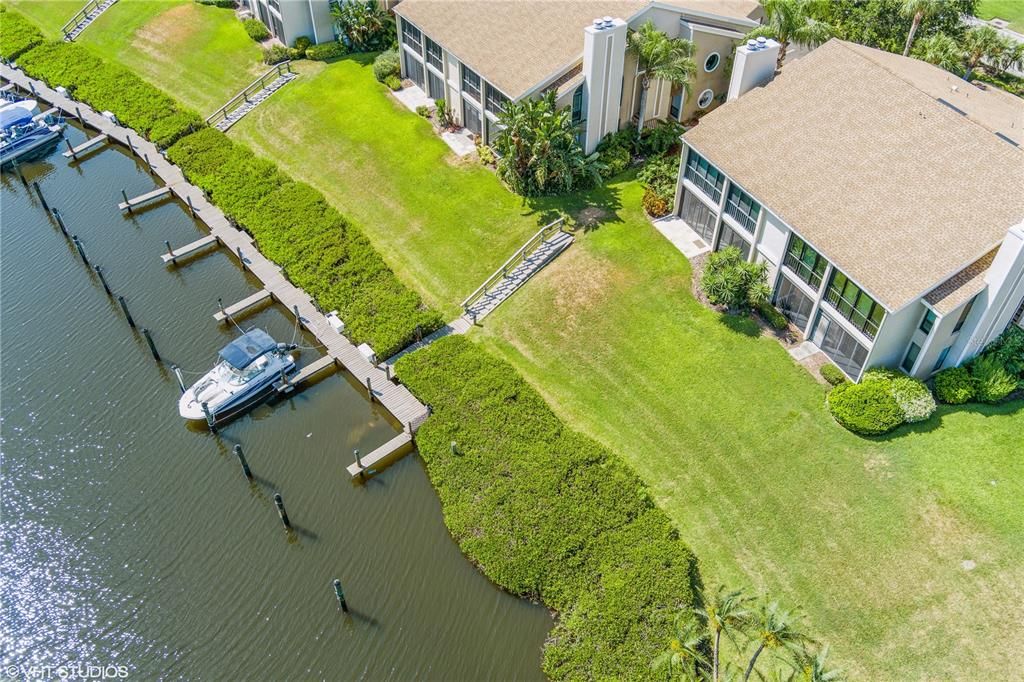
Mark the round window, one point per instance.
(705, 99)
(712, 62)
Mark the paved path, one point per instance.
(675, 229)
(87, 19)
(254, 101)
(397, 399)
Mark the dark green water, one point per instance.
(131, 539)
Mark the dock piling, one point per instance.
(281, 512)
(340, 595)
(125, 195)
(39, 193)
(128, 315)
(369, 388)
(128, 139)
(103, 280)
(78, 113)
(209, 418)
(152, 346)
(177, 375)
(170, 252)
(191, 208)
(149, 166)
(245, 465)
(241, 256)
(81, 250)
(358, 461)
(60, 221)
(220, 304)
(298, 317)
(71, 150)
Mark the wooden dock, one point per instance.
(188, 249)
(245, 305)
(306, 374)
(395, 398)
(394, 448)
(144, 198)
(85, 146)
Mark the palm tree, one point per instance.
(941, 50)
(792, 21)
(684, 654)
(919, 10)
(364, 22)
(725, 611)
(1011, 54)
(811, 666)
(774, 629)
(662, 58)
(980, 42)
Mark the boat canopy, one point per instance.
(247, 348)
(17, 113)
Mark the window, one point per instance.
(805, 262)
(928, 322)
(742, 208)
(676, 106)
(495, 100)
(275, 4)
(436, 85)
(794, 303)
(411, 36)
(839, 345)
(853, 304)
(705, 99)
(701, 173)
(471, 118)
(942, 358)
(963, 316)
(698, 216)
(471, 83)
(731, 237)
(910, 358)
(434, 55)
(413, 68)
(577, 106)
(712, 62)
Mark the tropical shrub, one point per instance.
(326, 51)
(914, 399)
(660, 138)
(18, 35)
(549, 514)
(445, 118)
(954, 385)
(393, 82)
(654, 204)
(731, 281)
(1008, 348)
(319, 249)
(302, 43)
(539, 151)
(659, 177)
(386, 64)
(109, 87)
(423, 110)
(486, 154)
(867, 408)
(992, 381)
(256, 29)
(364, 25)
(223, 4)
(775, 319)
(616, 152)
(832, 374)
(275, 54)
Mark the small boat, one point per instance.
(24, 132)
(245, 376)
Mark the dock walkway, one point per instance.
(394, 397)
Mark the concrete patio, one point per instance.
(682, 237)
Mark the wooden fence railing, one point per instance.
(241, 98)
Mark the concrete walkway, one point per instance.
(675, 229)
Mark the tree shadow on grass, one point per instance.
(934, 422)
(588, 209)
(740, 323)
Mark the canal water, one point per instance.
(132, 539)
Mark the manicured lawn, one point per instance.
(868, 536)
(200, 55)
(1010, 10)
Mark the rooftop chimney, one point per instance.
(754, 66)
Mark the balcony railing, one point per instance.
(864, 322)
(803, 271)
(712, 188)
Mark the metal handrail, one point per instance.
(82, 14)
(501, 273)
(276, 71)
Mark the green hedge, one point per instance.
(325, 51)
(296, 228)
(832, 374)
(17, 35)
(549, 514)
(256, 30)
(110, 87)
(954, 385)
(868, 408)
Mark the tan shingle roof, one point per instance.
(895, 188)
(962, 286)
(517, 45)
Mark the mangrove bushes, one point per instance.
(297, 229)
(17, 35)
(549, 514)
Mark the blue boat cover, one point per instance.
(248, 347)
(18, 113)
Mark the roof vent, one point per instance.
(762, 43)
(608, 22)
(598, 23)
(752, 45)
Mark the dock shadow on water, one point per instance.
(132, 539)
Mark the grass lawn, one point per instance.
(868, 536)
(1010, 10)
(198, 54)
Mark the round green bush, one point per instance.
(867, 408)
(914, 398)
(954, 386)
(302, 43)
(256, 30)
(386, 64)
(992, 381)
(832, 375)
(393, 82)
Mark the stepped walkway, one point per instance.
(252, 96)
(85, 16)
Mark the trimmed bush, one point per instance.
(954, 386)
(320, 251)
(275, 54)
(775, 319)
(867, 408)
(914, 399)
(654, 204)
(326, 51)
(394, 83)
(659, 177)
(832, 375)
(616, 152)
(256, 29)
(303, 43)
(18, 35)
(1008, 348)
(549, 514)
(386, 64)
(992, 381)
(110, 87)
(224, 4)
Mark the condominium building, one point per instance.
(885, 195)
(478, 55)
(289, 20)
